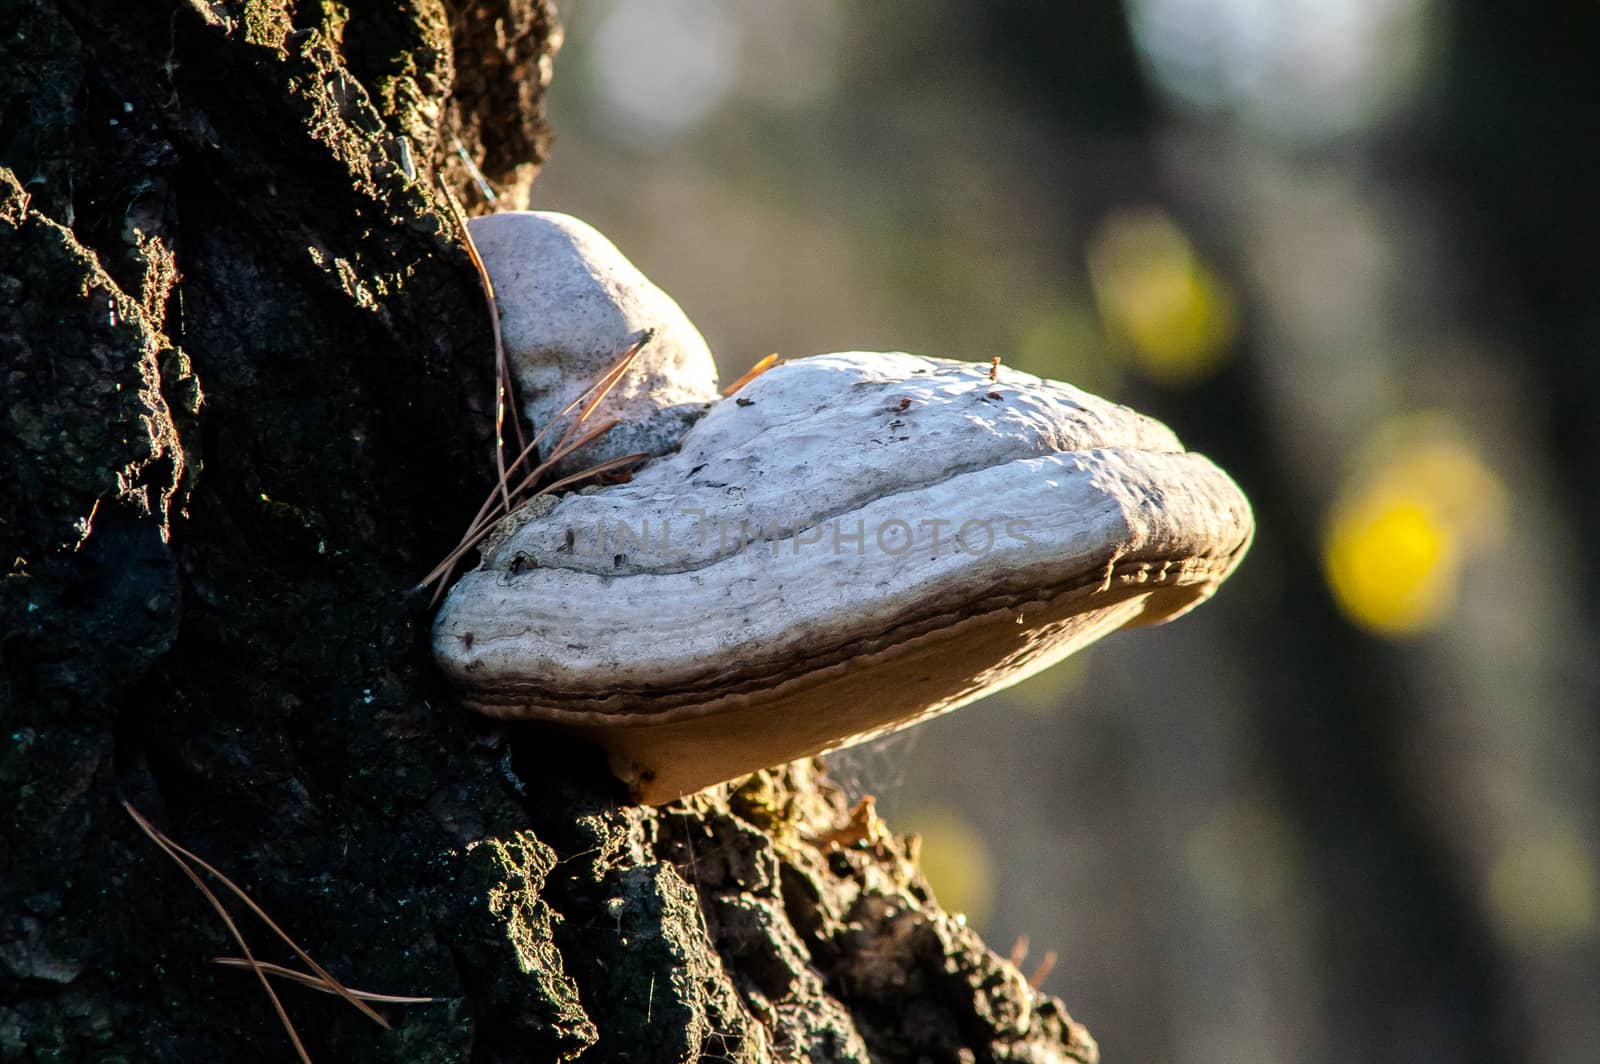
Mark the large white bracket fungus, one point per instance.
(851, 543)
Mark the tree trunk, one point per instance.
(248, 403)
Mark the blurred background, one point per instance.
(1348, 810)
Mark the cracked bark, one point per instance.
(247, 403)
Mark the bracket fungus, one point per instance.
(852, 543)
(570, 303)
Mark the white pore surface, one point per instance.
(570, 305)
(853, 473)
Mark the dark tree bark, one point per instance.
(248, 402)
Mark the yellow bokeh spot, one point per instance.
(1175, 318)
(1398, 540)
(1430, 460)
(1392, 566)
(1543, 891)
(955, 860)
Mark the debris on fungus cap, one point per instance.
(851, 543)
(570, 305)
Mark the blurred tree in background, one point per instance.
(1348, 810)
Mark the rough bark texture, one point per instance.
(247, 381)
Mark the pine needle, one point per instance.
(1041, 973)
(168, 847)
(173, 849)
(502, 371)
(314, 982)
(752, 373)
(479, 531)
(503, 499)
(566, 447)
(322, 979)
(594, 471)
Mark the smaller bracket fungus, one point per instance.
(852, 543)
(570, 303)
